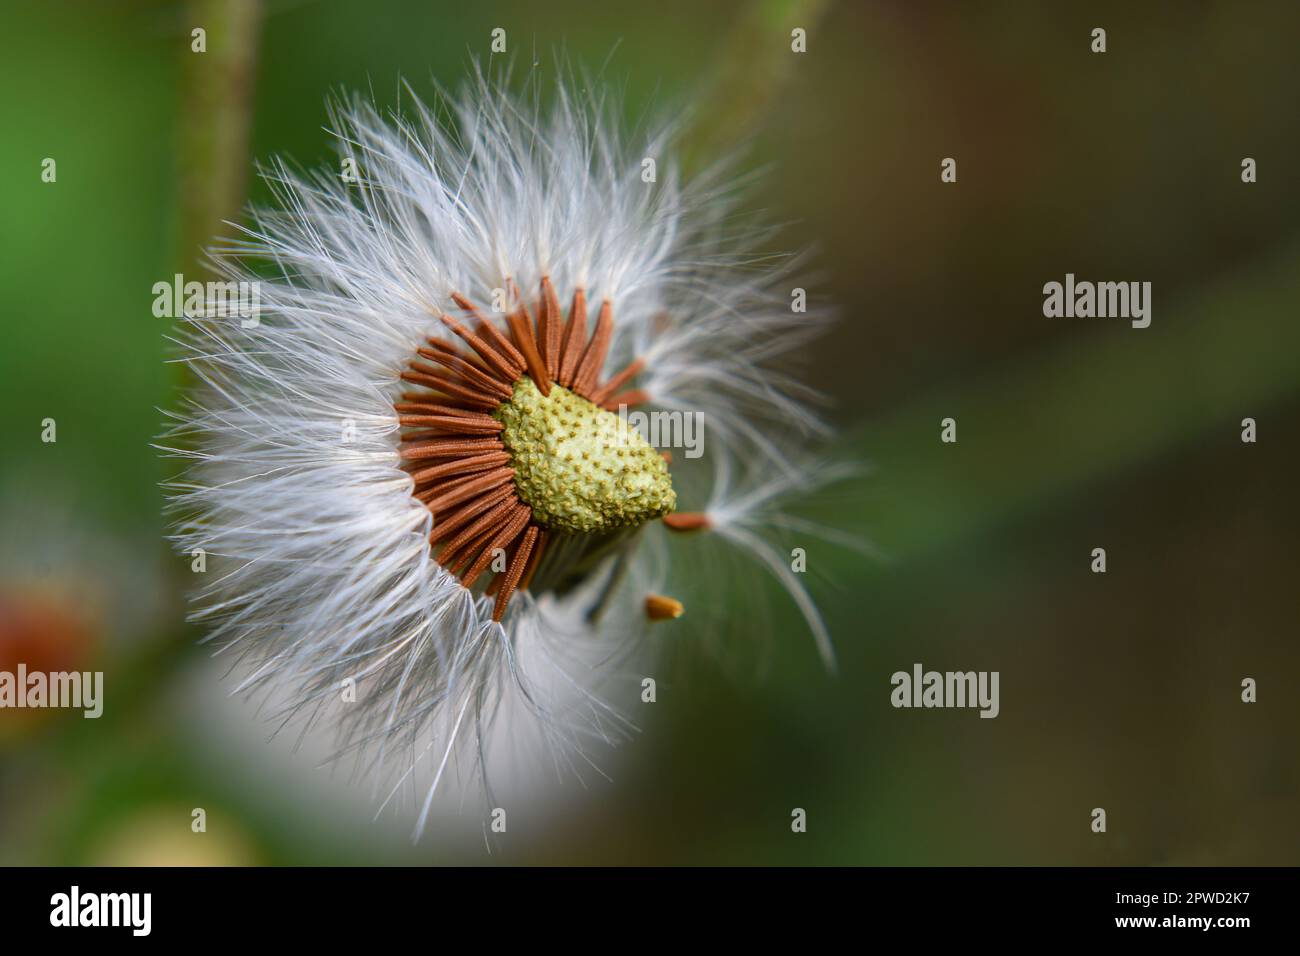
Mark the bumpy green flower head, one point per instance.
(581, 469)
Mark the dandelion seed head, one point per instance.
(409, 473)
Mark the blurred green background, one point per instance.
(1118, 691)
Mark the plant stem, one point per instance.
(215, 102)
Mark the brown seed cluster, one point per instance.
(453, 445)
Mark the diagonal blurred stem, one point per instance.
(215, 103)
(754, 64)
(1039, 428)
